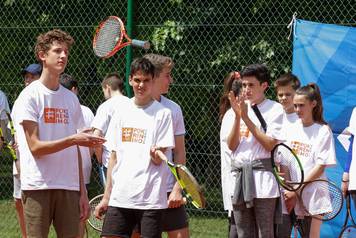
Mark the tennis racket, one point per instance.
(287, 167)
(109, 38)
(320, 199)
(6, 149)
(348, 231)
(186, 180)
(94, 222)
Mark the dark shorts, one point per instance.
(174, 219)
(42, 207)
(121, 222)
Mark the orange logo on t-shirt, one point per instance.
(56, 115)
(301, 149)
(244, 131)
(133, 135)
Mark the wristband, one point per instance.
(345, 181)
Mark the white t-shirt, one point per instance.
(136, 182)
(102, 119)
(58, 115)
(4, 105)
(178, 130)
(227, 180)
(313, 145)
(88, 116)
(352, 172)
(250, 149)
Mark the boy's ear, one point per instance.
(41, 55)
(264, 85)
(130, 80)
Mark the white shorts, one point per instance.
(17, 187)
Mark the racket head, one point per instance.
(108, 37)
(348, 232)
(190, 186)
(94, 222)
(350, 208)
(288, 164)
(322, 199)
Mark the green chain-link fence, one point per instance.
(207, 39)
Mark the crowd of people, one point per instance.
(57, 137)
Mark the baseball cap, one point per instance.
(33, 69)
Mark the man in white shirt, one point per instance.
(175, 219)
(136, 188)
(285, 86)
(251, 139)
(52, 184)
(71, 84)
(112, 86)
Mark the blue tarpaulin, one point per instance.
(326, 54)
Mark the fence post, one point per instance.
(130, 8)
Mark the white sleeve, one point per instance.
(226, 125)
(102, 119)
(164, 131)
(274, 126)
(28, 108)
(325, 152)
(178, 123)
(352, 123)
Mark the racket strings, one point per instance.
(348, 232)
(93, 221)
(107, 37)
(322, 200)
(289, 165)
(191, 187)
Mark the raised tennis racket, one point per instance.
(287, 167)
(348, 231)
(6, 150)
(94, 222)
(320, 199)
(186, 180)
(109, 37)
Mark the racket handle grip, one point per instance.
(142, 44)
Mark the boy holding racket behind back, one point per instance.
(175, 219)
(136, 187)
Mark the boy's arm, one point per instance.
(175, 198)
(108, 186)
(98, 150)
(103, 205)
(83, 201)
(39, 148)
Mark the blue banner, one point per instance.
(326, 54)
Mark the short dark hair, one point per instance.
(287, 79)
(114, 81)
(68, 81)
(143, 65)
(260, 71)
